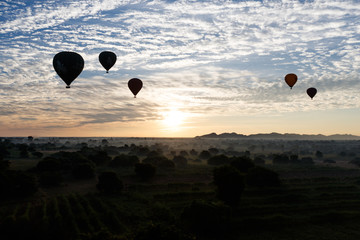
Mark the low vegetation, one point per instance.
(155, 192)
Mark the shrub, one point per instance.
(230, 184)
(145, 171)
(262, 177)
(109, 183)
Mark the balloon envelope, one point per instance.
(107, 59)
(291, 79)
(135, 85)
(311, 92)
(68, 65)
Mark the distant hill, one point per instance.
(279, 136)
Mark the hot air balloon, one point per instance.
(68, 65)
(290, 79)
(311, 92)
(135, 85)
(107, 59)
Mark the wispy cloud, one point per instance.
(209, 56)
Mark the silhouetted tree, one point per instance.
(307, 160)
(319, 154)
(100, 158)
(17, 184)
(193, 152)
(218, 160)
(104, 142)
(280, 159)
(213, 151)
(205, 155)
(262, 177)
(243, 164)
(49, 164)
(37, 154)
(50, 178)
(259, 160)
(180, 161)
(109, 183)
(230, 184)
(123, 160)
(145, 171)
(159, 161)
(184, 153)
(294, 158)
(84, 171)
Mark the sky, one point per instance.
(206, 66)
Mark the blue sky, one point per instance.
(207, 66)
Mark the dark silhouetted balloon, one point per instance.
(107, 59)
(135, 85)
(311, 92)
(68, 65)
(290, 79)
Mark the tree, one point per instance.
(180, 161)
(109, 183)
(183, 153)
(193, 152)
(213, 151)
(17, 184)
(123, 160)
(218, 160)
(205, 154)
(230, 184)
(262, 177)
(145, 171)
(243, 164)
(49, 164)
(280, 159)
(84, 171)
(37, 154)
(100, 158)
(50, 178)
(319, 154)
(259, 160)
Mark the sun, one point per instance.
(173, 118)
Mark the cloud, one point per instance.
(218, 57)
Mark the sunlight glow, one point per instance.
(173, 119)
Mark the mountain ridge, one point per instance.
(284, 136)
